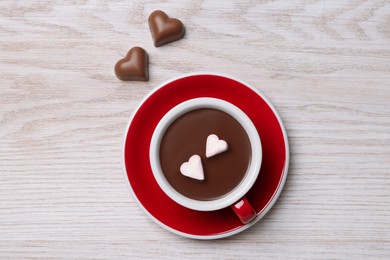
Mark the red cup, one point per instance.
(234, 199)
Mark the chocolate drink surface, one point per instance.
(187, 135)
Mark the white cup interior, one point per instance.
(254, 165)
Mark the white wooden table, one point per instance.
(324, 64)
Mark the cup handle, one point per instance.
(244, 210)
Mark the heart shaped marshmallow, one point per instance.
(193, 168)
(215, 146)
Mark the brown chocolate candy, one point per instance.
(135, 66)
(165, 29)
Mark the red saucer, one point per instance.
(166, 212)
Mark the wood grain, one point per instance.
(324, 64)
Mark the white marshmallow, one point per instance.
(193, 168)
(215, 146)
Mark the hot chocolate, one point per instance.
(187, 136)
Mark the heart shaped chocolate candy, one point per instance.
(135, 66)
(165, 29)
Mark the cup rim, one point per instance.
(254, 166)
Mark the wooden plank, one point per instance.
(324, 64)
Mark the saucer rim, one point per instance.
(270, 203)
